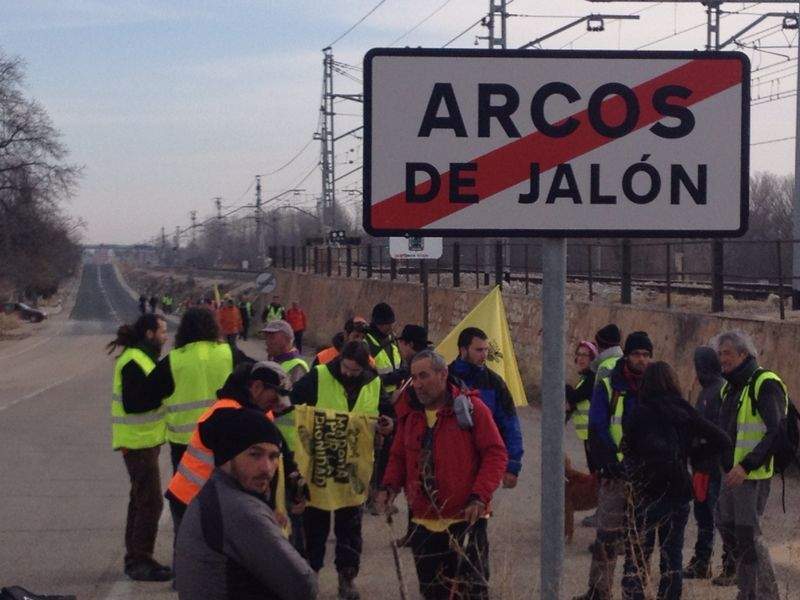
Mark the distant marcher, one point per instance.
(153, 304)
(382, 346)
(138, 431)
(754, 402)
(448, 458)
(579, 398)
(274, 311)
(142, 304)
(246, 311)
(230, 321)
(707, 473)
(659, 435)
(230, 544)
(470, 367)
(355, 329)
(166, 303)
(613, 397)
(296, 317)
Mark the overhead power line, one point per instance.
(290, 161)
(420, 23)
(357, 23)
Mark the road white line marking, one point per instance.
(105, 295)
(34, 346)
(42, 390)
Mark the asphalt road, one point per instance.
(63, 492)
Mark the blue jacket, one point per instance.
(496, 397)
(601, 446)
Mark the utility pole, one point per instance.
(259, 240)
(713, 12)
(328, 141)
(163, 244)
(796, 203)
(193, 217)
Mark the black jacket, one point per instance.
(709, 402)
(770, 404)
(304, 391)
(659, 438)
(135, 397)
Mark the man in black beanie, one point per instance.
(608, 341)
(613, 397)
(383, 347)
(230, 545)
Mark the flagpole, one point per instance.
(554, 275)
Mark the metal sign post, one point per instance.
(423, 275)
(494, 143)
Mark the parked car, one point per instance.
(24, 312)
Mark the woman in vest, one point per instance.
(580, 397)
(137, 431)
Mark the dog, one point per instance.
(580, 493)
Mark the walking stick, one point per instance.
(398, 568)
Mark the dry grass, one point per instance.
(8, 323)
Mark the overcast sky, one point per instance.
(170, 103)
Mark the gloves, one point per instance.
(700, 483)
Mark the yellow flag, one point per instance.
(335, 455)
(490, 316)
(216, 294)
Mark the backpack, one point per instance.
(787, 443)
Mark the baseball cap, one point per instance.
(278, 326)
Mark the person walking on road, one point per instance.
(153, 304)
(449, 458)
(754, 402)
(231, 545)
(347, 384)
(613, 397)
(142, 304)
(296, 317)
(230, 321)
(187, 378)
(138, 431)
(707, 473)
(579, 398)
(659, 436)
(274, 311)
(470, 367)
(246, 311)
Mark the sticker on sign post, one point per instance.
(556, 143)
(415, 247)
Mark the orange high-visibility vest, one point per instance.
(197, 463)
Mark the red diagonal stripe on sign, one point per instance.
(510, 164)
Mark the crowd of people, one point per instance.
(255, 488)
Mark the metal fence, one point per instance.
(658, 272)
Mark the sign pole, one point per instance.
(554, 275)
(423, 275)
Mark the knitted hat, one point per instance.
(589, 346)
(638, 340)
(608, 336)
(382, 314)
(415, 334)
(230, 431)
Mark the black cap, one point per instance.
(382, 314)
(230, 431)
(608, 336)
(415, 334)
(638, 340)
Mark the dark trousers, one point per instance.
(231, 338)
(298, 536)
(666, 518)
(145, 503)
(704, 516)
(445, 572)
(176, 454)
(245, 328)
(346, 528)
(298, 340)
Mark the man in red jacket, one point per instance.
(449, 459)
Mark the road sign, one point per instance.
(555, 143)
(266, 282)
(415, 247)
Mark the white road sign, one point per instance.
(266, 282)
(558, 143)
(415, 247)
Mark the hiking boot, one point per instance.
(347, 589)
(148, 571)
(728, 576)
(697, 569)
